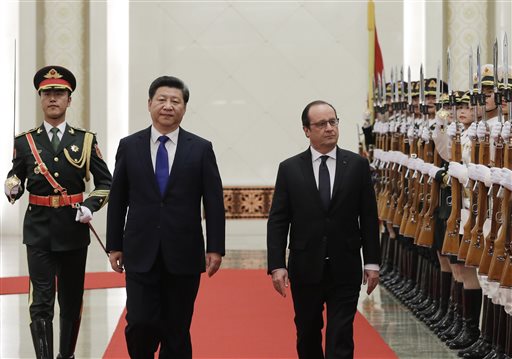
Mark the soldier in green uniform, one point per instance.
(53, 162)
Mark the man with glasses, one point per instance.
(324, 200)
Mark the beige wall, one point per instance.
(251, 68)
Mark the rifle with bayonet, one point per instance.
(426, 234)
(495, 203)
(451, 237)
(412, 221)
(476, 245)
(475, 149)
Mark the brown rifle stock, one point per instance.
(476, 247)
(451, 236)
(500, 245)
(468, 226)
(485, 262)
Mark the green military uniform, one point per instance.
(55, 238)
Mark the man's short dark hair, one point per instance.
(305, 112)
(169, 81)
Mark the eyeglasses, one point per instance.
(323, 124)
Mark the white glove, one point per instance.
(472, 131)
(452, 129)
(366, 119)
(483, 174)
(481, 130)
(495, 131)
(505, 131)
(458, 171)
(385, 127)
(83, 215)
(472, 171)
(403, 128)
(495, 175)
(433, 171)
(425, 168)
(418, 164)
(411, 163)
(506, 178)
(392, 125)
(13, 191)
(425, 134)
(410, 133)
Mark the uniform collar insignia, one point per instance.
(74, 148)
(71, 131)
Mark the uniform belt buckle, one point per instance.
(55, 201)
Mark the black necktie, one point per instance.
(324, 183)
(162, 164)
(55, 138)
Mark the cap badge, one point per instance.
(52, 74)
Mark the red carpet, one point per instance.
(100, 280)
(238, 315)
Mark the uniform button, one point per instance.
(324, 239)
(29, 208)
(161, 204)
(55, 190)
(56, 159)
(56, 174)
(158, 227)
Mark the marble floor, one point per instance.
(407, 336)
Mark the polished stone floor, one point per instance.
(407, 336)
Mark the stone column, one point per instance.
(65, 43)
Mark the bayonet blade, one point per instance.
(470, 84)
(478, 70)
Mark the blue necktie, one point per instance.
(324, 183)
(162, 164)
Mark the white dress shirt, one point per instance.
(169, 145)
(48, 128)
(331, 164)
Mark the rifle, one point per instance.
(404, 149)
(475, 155)
(412, 222)
(451, 237)
(490, 239)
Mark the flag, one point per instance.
(375, 61)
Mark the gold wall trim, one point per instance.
(248, 202)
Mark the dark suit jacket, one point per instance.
(314, 234)
(141, 222)
(55, 228)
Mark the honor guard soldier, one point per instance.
(53, 162)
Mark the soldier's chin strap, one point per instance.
(78, 207)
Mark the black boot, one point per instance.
(472, 304)
(448, 318)
(68, 337)
(42, 337)
(456, 326)
(444, 299)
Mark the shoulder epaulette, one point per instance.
(82, 129)
(24, 133)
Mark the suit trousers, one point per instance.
(340, 298)
(159, 312)
(69, 268)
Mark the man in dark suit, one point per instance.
(325, 200)
(54, 159)
(154, 230)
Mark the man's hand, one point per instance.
(116, 261)
(280, 281)
(371, 277)
(83, 215)
(213, 261)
